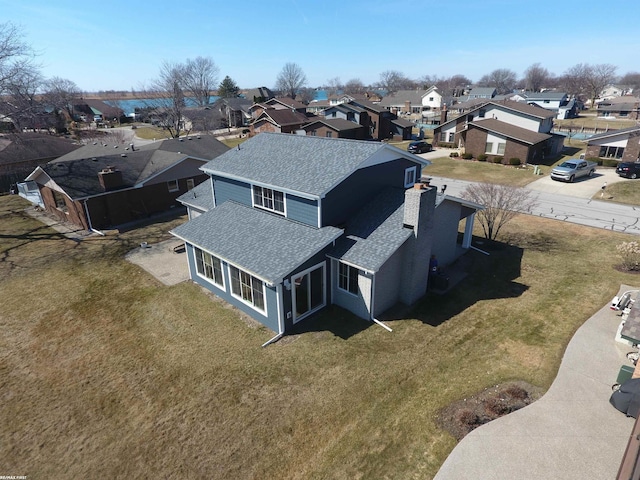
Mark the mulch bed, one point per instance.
(465, 415)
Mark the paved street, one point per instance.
(569, 202)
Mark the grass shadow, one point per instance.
(488, 277)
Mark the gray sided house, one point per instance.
(289, 224)
(100, 185)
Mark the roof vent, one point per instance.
(123, 154)
(115, 146)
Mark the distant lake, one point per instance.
(129, 105)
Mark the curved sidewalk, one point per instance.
(572, 432)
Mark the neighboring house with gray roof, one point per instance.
(623, 145)
(20, 153)
(297, 223)
(413, 101)
(335, 128)
(626, 107)
(104, 185)
(504, 129)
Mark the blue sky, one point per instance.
(120, 45)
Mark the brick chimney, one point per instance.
(419, 212)
(407, 106)
(110, 178)
(443, 114)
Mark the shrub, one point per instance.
(467, 156)
(595, 159)
(498, 159)
(517, 392)
(514, 161)
(468, 418)
(454, 154)
(446, 144)
(630, 254)
(609, 162)
(496, 407)
(482, 157)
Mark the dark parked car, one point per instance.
(419, 147)
(628, 169)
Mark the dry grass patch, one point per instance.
(625, 191)
(107, 373)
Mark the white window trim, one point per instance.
(257, 205)
(338, 279)
(204, 277)
(191, 183)
(488, 147)
(410, 173)
(177, 187)
(322, 266)
(239, 297)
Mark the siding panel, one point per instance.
(302, 210)
(227, 189)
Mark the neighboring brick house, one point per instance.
(100, 186)
(295, 223)
(335, 128)
(626, 107)
(376, 119)
(278, 121)
(505, 129)
(623, 145)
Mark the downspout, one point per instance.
(86, 211)
(373, 296)
(280, 319)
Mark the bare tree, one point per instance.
(573, 80)
(62, 94)
(598, 77)
(200, 79)
(354, 86)
(334, 85)
(291, 79)
(16, 57)
(392, 81)
(631, 80)
(22, 103)
(501, 204)
(584, 80)
(165, 98)
(535, 77)
(503, 79)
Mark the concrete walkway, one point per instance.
(572, 432)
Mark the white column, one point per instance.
(468, 231)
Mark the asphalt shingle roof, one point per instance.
(375, 233)
(77, 172)
(337, 124)
(200, 197)
(266, 245)
(26, 146)
(299, 163)
(511, 131)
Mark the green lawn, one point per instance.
(107, 373)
